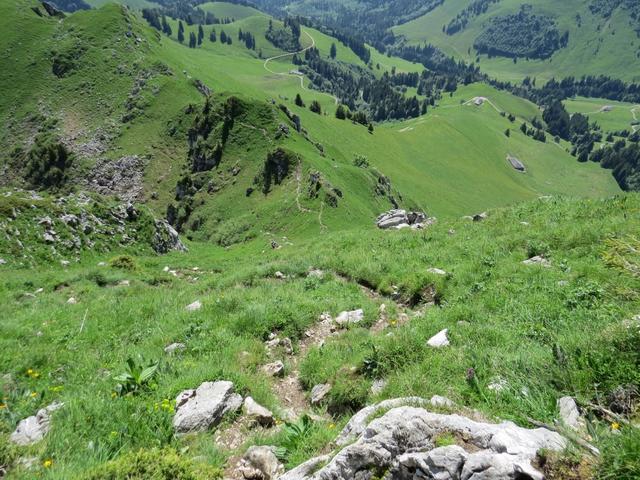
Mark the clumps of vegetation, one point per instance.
(361, 161)
(521, 34)
(624, 161)
(137, 377)
(48, 163)
(620, 459)
(276, 169)
(65, 59)
(123, 262)
(153, 464)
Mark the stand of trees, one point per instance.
(286, 38)
(475, 8)
(522, 34)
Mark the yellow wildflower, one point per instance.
(113, 394)
(48, 463)
(615, 426)
(2, 406)
(332, 425)
(34, 394)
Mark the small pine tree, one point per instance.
(223, 36)
(340, 113)
(180, 31)
(166, 28)
(507, 132)
(192, 40)
(212, 36)
(334, 51)
(315, 107)
(200, 34)
(299, 101)
(371, 128)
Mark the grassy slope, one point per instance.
(619, 118)
(597, 46)
(513, 318)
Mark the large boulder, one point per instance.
(203, 408)
(350, 318)
(33, 429)
(402, 443)
(166, 238)
(402, 219)
(257, 413)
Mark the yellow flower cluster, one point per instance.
(31, 373)
(48, 463)
(615, 426)
(166, 406)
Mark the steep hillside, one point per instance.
(520, 336)
(600, 42)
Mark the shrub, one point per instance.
(47, 163)
(123, 262)
(153, 464)
(620, 459)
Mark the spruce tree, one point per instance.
(200, 34)
(180, 31)
(223, 36)
(299, 101)
(334, 50)
(192, 40)
(212, 36)
(340, 113)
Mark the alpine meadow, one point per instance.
(320, 240)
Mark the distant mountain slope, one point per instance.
(600, 41)
(100, 100)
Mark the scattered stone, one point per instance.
(122, 177)
(197, 305)
(319, 392)
(538, 260)
(203, 408)
(275, 369)
(498, 385)
(441, 402)
(350, 318)
(3, 261)
(280, 275)
(174, 348)
(65, 263)
(440, 339)
(478, 217)
(33, 429)
(400, 219)
(378, 386)
(403, 443)
(49, 237)
(102, 264)
(258, 413)
(437, 271)
(72, 301)
(315, 273)
(260, 463)
(569, 413)
(274, 342)
(124, 283)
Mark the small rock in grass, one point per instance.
(166, 269)
(350, 318)
(437, 271)
(378, 386)
(441, 402)
(65, 263)
(197, 305)
(33, 429)
(440, 339)
(124, 283)
(260, 463)
(3, 261)
(174, 347)
(40, 290)
(538, 260)
(72, 301)
(102, 264)
(498, 385)
(569, 413)
(203, 408)
(319, 392)
(279, 275)
(257, 412)
(315, 273)
(275, 369)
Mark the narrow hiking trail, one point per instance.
(294, 401)
(299, 76)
